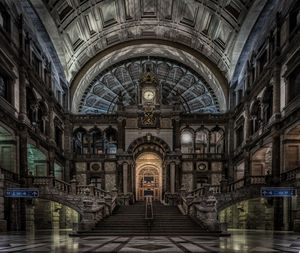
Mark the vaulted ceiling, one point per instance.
(175, 80)
(82, 29)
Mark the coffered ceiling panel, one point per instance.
(87, 27)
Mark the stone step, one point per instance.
(130, 221)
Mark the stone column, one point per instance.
(176, 134)
(286, 213)
(51, 162)
(247, 121)
(22, 90)
(29, 215)
(23, 153)
(56, 215)
(276, 90)
(51, 123)
(172, 177)
(297, 216)
(63, 217)
(247, 167)
(125, 178)
(3, 222)
(276, 159)
(121, 134)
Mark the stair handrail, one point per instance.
(149, 204)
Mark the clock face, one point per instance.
(201, 166)
(148, 95)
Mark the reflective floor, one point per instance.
(239, 241)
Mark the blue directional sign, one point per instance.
(22, 193)
(277, 192)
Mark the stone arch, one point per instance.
(141, 144)
(8, 148)
(187, 137)
(77, 206)
(149, 163)
(202, 139)
(261, 161)
(243, 194)
(217, 140)
(96, 140)
(291, 147)
(37, 161)
(110, 140)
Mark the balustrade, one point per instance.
(9, 175)
(290, 175)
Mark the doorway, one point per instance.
(148, 176)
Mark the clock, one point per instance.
(149, 95)
(201, 166)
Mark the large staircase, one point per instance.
(130, 221)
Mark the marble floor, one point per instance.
(239, 241)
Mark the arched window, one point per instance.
(7, 150)
(217, 140)
(202, 140)
(96, 141)
(187, 141)
(80, 141)
(110, 141)
(37, 162)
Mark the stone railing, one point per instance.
(290, 175)
(91, 202)
(49, 181)
(202, 202)
(91, 190)
(8, 175)
(203, 156)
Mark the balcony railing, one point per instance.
(290, 175)
(231, 187)
(60, 185)
(9, 175)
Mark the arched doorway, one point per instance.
(148, 176)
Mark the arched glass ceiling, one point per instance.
(176, 80)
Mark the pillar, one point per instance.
(276, 90)
(176, 135)
(22, 93)
(276, 159)
(51, 125)
(296, 225)
(63, 218)
(23, 153)
(121, 134)
(51, 162)
(172, 177)
(286, 214)
(56, 215)
(247, 122)
(247, 163)
(3, 222)
(125, 177)
(29, 215)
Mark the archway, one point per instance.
(148, 176)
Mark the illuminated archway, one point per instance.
(148, 176)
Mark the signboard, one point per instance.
(22, 193)
(277, 192)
